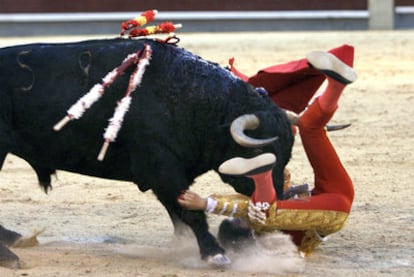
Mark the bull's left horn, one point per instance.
(331, 128)
(247, 122)
(294, 118)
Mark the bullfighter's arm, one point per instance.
(235, 205)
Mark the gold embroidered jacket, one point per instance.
(315, 224)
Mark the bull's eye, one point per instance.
(257, 151)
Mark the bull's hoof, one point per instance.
(218, 260)
(8, 237)
(7, 258)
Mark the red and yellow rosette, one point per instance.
(132, 26)
(163, 28)
(140, 20)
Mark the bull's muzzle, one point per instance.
(248, 122)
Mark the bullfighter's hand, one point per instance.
(192, 201)
(257, 211)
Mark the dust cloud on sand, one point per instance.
(273, 253)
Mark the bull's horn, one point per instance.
(331, 128)
(247, 122)
(293, 117)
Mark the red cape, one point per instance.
(292, 85)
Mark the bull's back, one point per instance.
(41, 81)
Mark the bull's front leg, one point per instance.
(167, 180)
(210, 250)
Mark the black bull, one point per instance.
(176, 129)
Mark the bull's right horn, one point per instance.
(248, 122)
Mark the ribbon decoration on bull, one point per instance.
(140, 58)
(115, 123)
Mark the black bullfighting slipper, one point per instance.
(234, 234)
(242, 167)
(331, 66)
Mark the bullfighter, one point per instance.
(308, 220)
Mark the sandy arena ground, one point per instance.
(97, 227)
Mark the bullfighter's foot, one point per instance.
(331, 66)
(242, 167)
(7, 258)
(218, 260)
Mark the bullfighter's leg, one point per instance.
(293, 83)
(321, 154)
(259, 169)
(330, 176)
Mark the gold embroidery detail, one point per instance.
(324, 222)
(226, 205)
(315, 223)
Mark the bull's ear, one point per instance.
(262, 91)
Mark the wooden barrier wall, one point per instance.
(55, 6)
(329, 15)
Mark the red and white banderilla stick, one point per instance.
(85, 102)
(115, 123)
